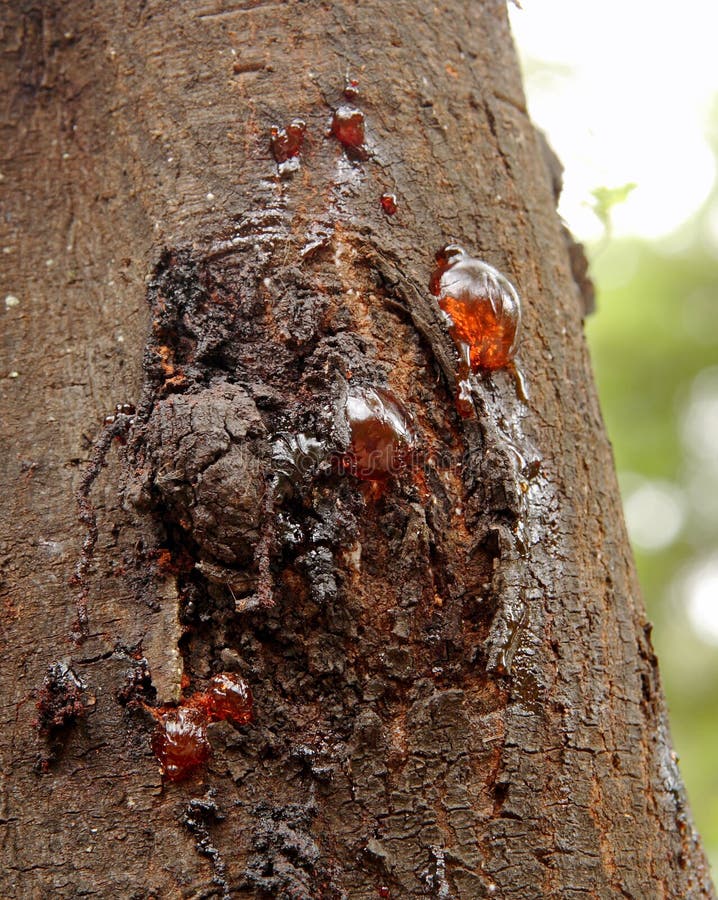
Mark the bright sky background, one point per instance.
(624, 91)
(627, 91)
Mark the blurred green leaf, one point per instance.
(655, 331)
(605, 199)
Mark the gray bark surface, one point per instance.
(455, 691)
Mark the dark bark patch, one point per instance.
(62, 701)
(285, 861)
(198, 817)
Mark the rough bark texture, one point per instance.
(455, 690)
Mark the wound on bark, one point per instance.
(60, 700)
(198, 817)
(61, 703)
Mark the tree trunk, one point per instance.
(454, 689)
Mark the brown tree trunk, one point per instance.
(454, 689)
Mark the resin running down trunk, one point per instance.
(317, 632)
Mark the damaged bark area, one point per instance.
(384, 644)
(358, 609)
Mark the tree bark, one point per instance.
(454, 689)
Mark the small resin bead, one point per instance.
(388, 204)
(351, 89)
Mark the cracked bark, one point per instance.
(455, 690)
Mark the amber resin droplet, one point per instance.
(351, 88)
(287, 144)
(229, 698)
(348, 129)
(388, 204)
(382, 435)
(481, 306)
(180, 741)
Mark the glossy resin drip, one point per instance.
(351, 88)
(382, 434)
(482, 311)
(388, 204)
(348, 129)
(229, 699)
(180, 740)
(287, 145)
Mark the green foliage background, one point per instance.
(654, 331)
